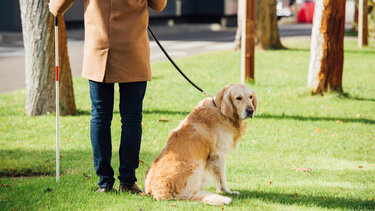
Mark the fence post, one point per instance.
(248, 41)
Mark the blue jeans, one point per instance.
(131, 100)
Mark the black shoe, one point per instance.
(105, 190)
(131, 189)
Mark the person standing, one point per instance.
(116, 50)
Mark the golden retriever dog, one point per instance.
(199, 145)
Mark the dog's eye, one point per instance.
(238, 98)
(251, 97)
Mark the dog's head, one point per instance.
(236, 101)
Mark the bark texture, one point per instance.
(39, 61)
(38, 38)
(67, 101)
(267, 32)
(327, 42)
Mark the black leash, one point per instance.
(174, 64)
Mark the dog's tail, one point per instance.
(211, 198)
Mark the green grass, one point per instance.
(334, 135)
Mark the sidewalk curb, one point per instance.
(178, 28)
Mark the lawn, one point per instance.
(331, 137)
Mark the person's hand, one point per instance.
(52, 7)
(59, 7)
(157, 5)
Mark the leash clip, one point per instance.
(208, 95)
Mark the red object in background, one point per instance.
(305, 12)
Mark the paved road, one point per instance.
(186, 42)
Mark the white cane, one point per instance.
(57, 96)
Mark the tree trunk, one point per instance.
(38, 37)
(237, 39)
(267, 32)
(327, 47)
(67, 101)
(362, 23)
(355, 20)
(38, 42)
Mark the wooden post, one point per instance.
(248, 42)
(362, 24)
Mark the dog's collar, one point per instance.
(213, 101)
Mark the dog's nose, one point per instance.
(249, 110)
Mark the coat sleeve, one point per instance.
(157, 5)
(59, 7)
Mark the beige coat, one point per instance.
(116, 42)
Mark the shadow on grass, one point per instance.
(347, 96)
(283, 116)
(265, 116)
(315, 118)
(32, 163)
(157, 77)
(309, 200)
(351, 33)
(14, 173)
(359, 51)
(83, 112)
(167, 112)
(342, 96)
(35, 163)
(298, 49)
(361, 99)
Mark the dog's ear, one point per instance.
(226, 105)
(255, 101)
(224, 102)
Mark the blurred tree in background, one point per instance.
(371, 27)
(267, 31)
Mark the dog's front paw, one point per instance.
(233, 192)
(227, 190)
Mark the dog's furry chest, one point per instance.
(225, 141)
